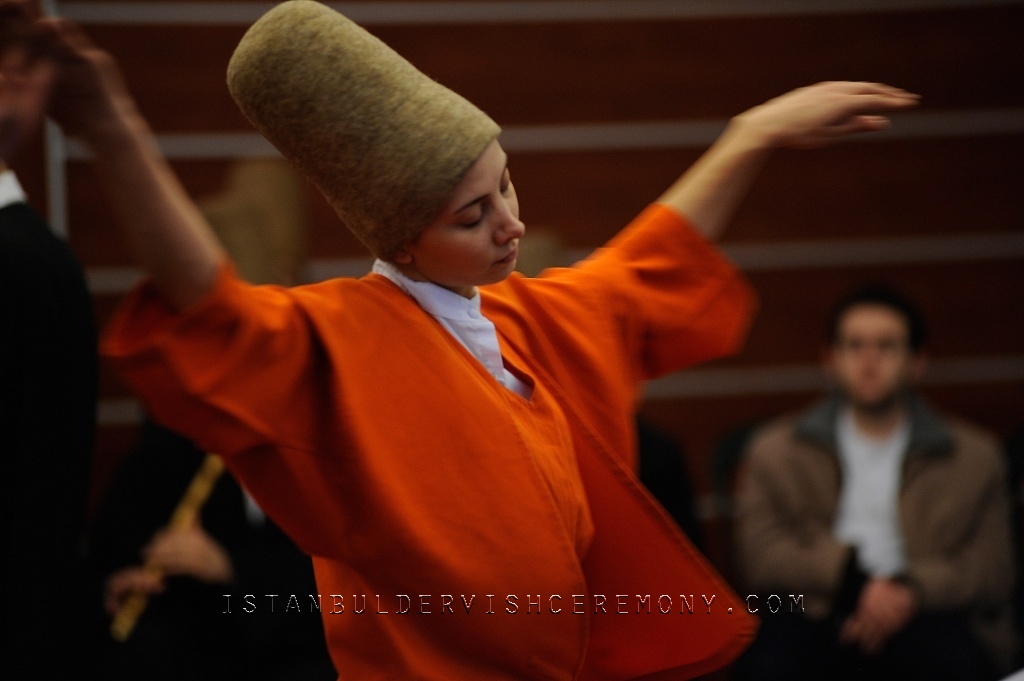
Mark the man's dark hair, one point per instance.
(880, 294)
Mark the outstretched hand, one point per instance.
(818, 115)
(814, 116)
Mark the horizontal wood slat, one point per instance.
(874, 189)
(972, 310)
(631, 70)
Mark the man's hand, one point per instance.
(191, 552)
(821, 114)
(188, 551)
(885, 607)
(126, 581)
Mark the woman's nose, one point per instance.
(510, 226)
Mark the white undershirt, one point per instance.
(868, 514)
(462, 318)
(10, 189)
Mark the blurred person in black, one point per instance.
(48, 379)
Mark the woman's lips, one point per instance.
(508, 258)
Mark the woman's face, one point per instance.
(475, 238)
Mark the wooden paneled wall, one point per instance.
(604, 104)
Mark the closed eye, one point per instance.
(473, 222)
(482, 201)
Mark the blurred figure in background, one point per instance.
(189, 629)
(891, 520)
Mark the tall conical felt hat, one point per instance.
(384, 143)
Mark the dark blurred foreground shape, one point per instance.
(48, 377)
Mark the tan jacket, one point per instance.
(954, 511)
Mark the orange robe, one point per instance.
(512, 531)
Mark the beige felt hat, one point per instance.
(384, 143)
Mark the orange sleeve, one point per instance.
(220, 370)
(690, 302)
(659, 297)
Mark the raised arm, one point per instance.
(814, 116)
(164, 230)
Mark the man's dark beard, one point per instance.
(881, 405)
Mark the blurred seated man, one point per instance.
(191, 628)
(891, 520)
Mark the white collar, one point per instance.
(461, 317)
(10, 189)
(436, 300)
(896, 441)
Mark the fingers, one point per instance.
(870, 103)
(865, 632)
(848, 127)
(67, 34)
(859, 105)
(127, 581)
(868, 89)
(884, 609)
(191, 551)
(851, 630)
(821, 114)
(863, 103)
(887, 602)
(873, 639)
